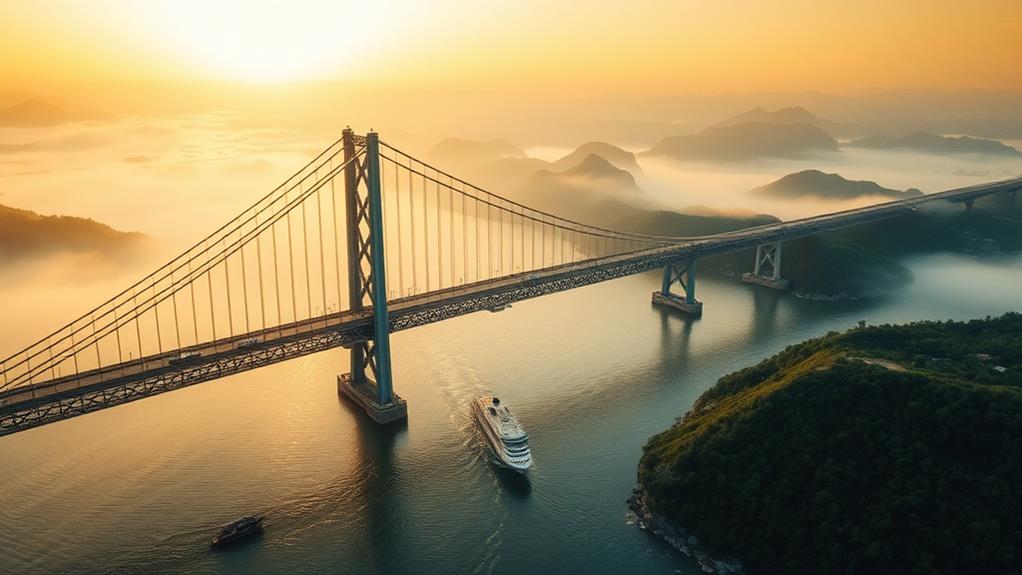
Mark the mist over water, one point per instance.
(592, 373)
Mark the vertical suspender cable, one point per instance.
(244, 286)
(400, 219)
(464, 238)
(259, 269)
(500, 242)
(322, 257)
(227, 286)
(173, 300)
(276, 278)
(439, 241)
(138, 332)
(195, 317)
(450, 218)
(511, 214)
(212, 314)
(99, 360)
(120, 352)
(78, 377)
(425, 225)
(415, 241)
(156, 312)
(305, 248)
(521, 236)
(475, 224)
(291, 269)
(337, 242)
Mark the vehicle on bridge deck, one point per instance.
(250, 342)
(237, 530)
(509, 441)
(184, 357)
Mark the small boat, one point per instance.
(509, 441)
(238, 530)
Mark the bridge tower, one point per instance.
(683, 274)
(370, 380)
(768, 268)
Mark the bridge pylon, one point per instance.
(768, 268)
(683, 274)
(370, 380)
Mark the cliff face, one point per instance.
(890, 449)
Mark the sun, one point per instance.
(267, 41)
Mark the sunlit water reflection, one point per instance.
(591, 373)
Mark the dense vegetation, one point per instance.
(890, 449)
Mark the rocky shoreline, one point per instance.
(679, 537)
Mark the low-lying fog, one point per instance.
(725, 186)
(178, 178)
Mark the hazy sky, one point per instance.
(524, 46)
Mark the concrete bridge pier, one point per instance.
(768, 268)
(684, 274)
(366, 280)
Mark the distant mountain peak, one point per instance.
(618, 157)
(815, 183)
(747, 141)
(789, 115)
(24, 233)
(594, 164)
(465, 154)
(928, 143)
(38, 113)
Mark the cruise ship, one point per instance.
(509, 441)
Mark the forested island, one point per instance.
(887, 449)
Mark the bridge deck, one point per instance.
(62, 397)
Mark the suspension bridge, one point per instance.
(362, 241)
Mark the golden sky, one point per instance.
(521, 46)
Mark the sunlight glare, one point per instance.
(270, 41)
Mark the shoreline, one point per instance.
(678, 537)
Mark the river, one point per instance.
(591, 374)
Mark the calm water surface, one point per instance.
(591, 373)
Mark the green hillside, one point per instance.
(891, 449)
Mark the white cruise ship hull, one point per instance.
(520, 464)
